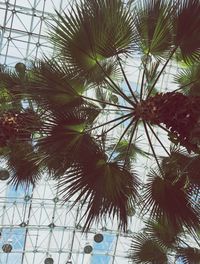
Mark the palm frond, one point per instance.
(154, 27)
(20, 163)
(187, 35)
(189, 80)
(189, 255)
(93, 31)
(182, 168)
(64, 140)
(105, 188)
(145, 250)
(162, 231)
(167, 199)
(52, 84)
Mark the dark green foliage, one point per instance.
(93, 32)
(189, 255)
(182, 168)
(21, 164)
(145, 250)
(53, 85)
(189, 80)
(154, 27)
(163, 231)
(187, 35)
(107, 189)
(168, 199)
(80, 119)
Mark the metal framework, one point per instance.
(34, 221)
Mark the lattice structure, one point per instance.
(24, 24)
(35, 222)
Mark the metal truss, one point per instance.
(35, 222)
(38, 225)
(23, 25)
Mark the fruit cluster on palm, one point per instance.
(67, 97)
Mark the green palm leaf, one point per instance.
(64, 134)
(93, 31)
(20, 163)
(145, 250)
(187, 35)
(189, 255)
(162, 231)
(54, 85)
(167, 199)
(189, 80)
(106, 188)
(182, 168)
(154, 27)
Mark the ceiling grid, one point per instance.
(35, 221)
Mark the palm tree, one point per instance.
(70, 115)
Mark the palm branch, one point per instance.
(167, 199)
(92, 34)
(21, 164)
(164, 232)
(104, 188)
(154, 27)
(145, 250)
(189, 255)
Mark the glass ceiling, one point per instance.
(35, 221)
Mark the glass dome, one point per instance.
(35, 226)
(35, 219)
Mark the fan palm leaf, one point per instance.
(189, 80)
(162, 231)
(145, 250)
(20, 163)
(168, 199)
(91, 34)
(53, 85)
(154, 27)
(64, 134)
(182, 168)
(189, 255)
(187, 35)
(105, 188)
